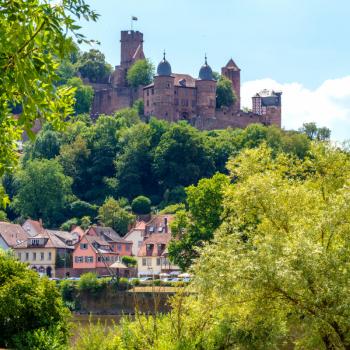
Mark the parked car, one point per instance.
(145, 279)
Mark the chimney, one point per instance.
(166, 224)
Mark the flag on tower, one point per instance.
(133, 18)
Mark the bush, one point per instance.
(68, 290)
(89, 283)
(54, 338)
(81, 208)
(141, 205)
(135, 282)
(29, 305)
(123, 283)
(67, 226)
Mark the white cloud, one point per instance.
(328, 105)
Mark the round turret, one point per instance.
(164, 67)
(205, 73)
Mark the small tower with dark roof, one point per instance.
(164, 91)
(206, 92)
(232, 72)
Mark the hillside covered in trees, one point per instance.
(70, 176)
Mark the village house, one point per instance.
(152, 257)
(11, 235)
(42, 252)
(136, 235)
(33, 227)
(99, 248)
(118, 244)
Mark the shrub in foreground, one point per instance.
(29, 305)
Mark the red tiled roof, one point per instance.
(36, 225)
(108, 234)
(157, 224)
(51, 241)
(12, 234)
(78, 230)
(153, 241)
(140, 225)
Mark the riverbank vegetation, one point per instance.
(276, 272)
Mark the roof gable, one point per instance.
(12, 234)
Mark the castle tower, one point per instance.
(233, 73)
(206, 92)
(267, 103)
(164, 91)
(131, 43)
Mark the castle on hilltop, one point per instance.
(175, 97)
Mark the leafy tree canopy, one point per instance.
(191, 229)
(32, 314)
(84, 95)
(43, 191)
(140, 73)
(141, 205)
(30, 52)
(315, 133)
(225, 95)
(93, 66)
(113, 215)
(275, 274)
(182, 156)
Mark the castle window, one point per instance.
(147, 92)
(166, 114)
(175, 92)
(152, 91)
(168, 85)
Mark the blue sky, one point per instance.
(299, 46)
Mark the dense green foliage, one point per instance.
(84, 95)
(113, 215)
(92, 65)
(141, 205)
(276, 273)
(225, 96)
(43, 191)
(33, 40)
(32, 315)
(140, 73)
(196, 226)
(315, 133)
(119, 156)
(129, 261)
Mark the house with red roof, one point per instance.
(42, 251)
(11, 235)
(99, 248)
(152, 256)
(136, 235)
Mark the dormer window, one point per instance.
(149, 246)
(35, 242)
